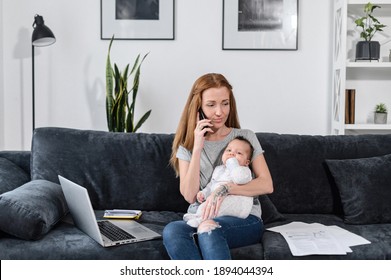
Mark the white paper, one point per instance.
(347, 237)
(290, 226)
(317, 239)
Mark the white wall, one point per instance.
(276, 91)
(1, 81)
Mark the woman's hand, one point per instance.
(202, 127)
(213, 202)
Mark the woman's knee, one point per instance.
(167, 231)
(171, 230)
(207, 226)
(177, 229)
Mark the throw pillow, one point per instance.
(365, 188)
(269, 211)
(11, 176)
(30, 211)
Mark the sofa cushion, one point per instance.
(30, 211)
(270, 213)
(365, 188)
(11, 176)
(119, 170)
(302, 182)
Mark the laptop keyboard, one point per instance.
(113, 232)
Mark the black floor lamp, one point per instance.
(42, 37)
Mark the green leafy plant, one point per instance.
(381, 108)
(369, 24)
(120, 113)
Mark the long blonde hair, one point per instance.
(185, 132)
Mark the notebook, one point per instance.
(105, 232)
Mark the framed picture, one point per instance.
(260, 24)
(137, 19)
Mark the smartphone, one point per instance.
(202, 117)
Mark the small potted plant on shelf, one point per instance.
(368, 49)
(381, 113)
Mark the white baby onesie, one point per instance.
(233, 205)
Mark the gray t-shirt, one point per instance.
(211, 158)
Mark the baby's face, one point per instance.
(238, 149)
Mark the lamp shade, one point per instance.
(42, 35)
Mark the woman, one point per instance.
(209, 121)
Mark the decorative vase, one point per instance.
(380, 118)
(368, 50)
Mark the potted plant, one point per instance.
(120, 114)
(381, 113)
(368, 49)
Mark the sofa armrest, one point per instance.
(20, 158)
(11, 176)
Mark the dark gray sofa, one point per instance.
(131, 171)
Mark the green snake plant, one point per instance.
(120, 114)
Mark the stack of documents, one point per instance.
(317, 239)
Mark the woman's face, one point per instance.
(216, 106)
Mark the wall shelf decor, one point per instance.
(260, 24)
(369, 79)
(137, 19)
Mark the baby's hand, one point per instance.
(200, 197)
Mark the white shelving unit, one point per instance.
(368, 126)
(370, 79)
(368, 64)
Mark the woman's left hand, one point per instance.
(213, 202)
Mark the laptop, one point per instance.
(105, 232)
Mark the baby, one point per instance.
(236, 159)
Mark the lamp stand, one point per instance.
(42, 36)
(33, 86)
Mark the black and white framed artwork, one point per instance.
(137, 19)
(260, 24)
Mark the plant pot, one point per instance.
(380, 118)
(368, 50)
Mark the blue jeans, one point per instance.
(182, 242)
